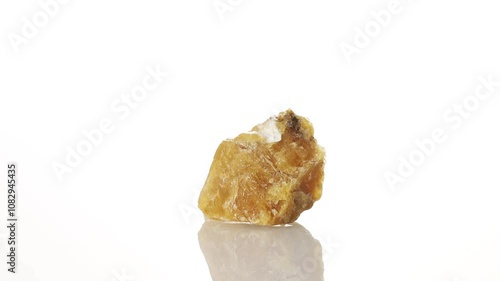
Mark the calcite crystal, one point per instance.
(267, 176)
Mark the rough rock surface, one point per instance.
(267, 176)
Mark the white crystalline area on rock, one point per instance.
(269, 130)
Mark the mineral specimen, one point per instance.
(267, 176)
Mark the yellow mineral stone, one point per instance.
(267, 176)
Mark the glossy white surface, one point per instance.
(246, 252)
(127, 211)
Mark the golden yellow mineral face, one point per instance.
(267, 176)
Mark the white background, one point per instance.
(127, 206)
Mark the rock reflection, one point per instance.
(241, 252)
